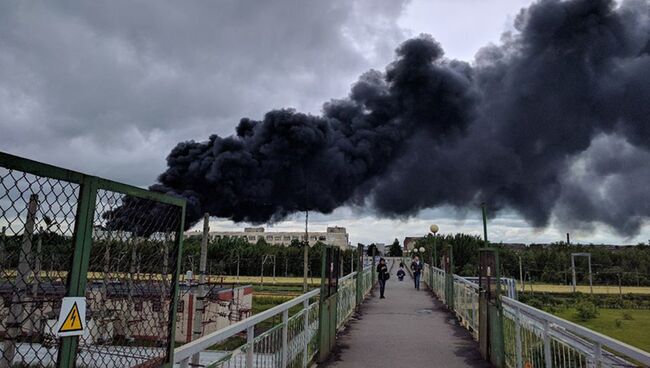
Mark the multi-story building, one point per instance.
(334, 235)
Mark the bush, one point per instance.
(618, 323)
(627, 304)
(627, 316)
(535, 303)
(586, 310)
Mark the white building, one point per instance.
(334, 235)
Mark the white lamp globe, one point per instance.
(422, 249)
(434, 228)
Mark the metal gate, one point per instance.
(66, 234)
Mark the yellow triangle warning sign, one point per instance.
(73, 321)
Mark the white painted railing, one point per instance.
(292, 342)
(535, 338)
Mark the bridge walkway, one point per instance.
(409, 328)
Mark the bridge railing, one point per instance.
(290, 342)
(532, 337)
(535, 338)
(466, 304)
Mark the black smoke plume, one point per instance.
(526, 127)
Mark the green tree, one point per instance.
(395, 249)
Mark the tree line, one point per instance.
(549, 263)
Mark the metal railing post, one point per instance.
(548, 363)
(250, 341)
(77, 279)
(598, 354)
(305, 349)
(518, 352)
(285, 338)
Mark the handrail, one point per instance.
(204, 342)
(608, 342)
(346, 304)
(348, 276)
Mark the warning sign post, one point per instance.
(72, 318)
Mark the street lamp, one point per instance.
(434, 230)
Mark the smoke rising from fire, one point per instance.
(531, 125)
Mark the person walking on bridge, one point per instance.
(416, 267)
(383, 275)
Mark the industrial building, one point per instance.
(334, 235)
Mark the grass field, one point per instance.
(634, 331)
(598, 289)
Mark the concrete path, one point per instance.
(409, 328)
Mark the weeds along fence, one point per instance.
(532, 337)
(265, 341)
(66, 234)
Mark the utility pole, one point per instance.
(521, 276)
(17, 307)
(238, 258)
(274, 268)
(591, 278)
(485, 236)
(573, 270)
(573, 273)
(2, 247)
(568, 239)
(620, 289)
(35, 315)
(197, 326)
(305, 254)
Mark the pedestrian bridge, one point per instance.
(437, 326)
(66, 234)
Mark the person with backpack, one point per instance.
(382, 276)
(416, 268)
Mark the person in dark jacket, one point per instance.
(401, 273)
(416, 268)
(382, 276)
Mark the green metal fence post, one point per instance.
(176, 286)
(496, 319)
(324, 309)
(449, 277)
(374, 274)
(359, 275)
(431, 271)
(78, 274)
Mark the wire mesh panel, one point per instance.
(37, 216)
(130, 289)
(346, 301)
(66, 234)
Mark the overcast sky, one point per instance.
(109, 87)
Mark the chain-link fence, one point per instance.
(66, 234)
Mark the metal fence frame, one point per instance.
(83, 235)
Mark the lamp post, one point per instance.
(434, 230)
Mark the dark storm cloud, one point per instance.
(430, 131)
(574, 70)
(110, 86)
